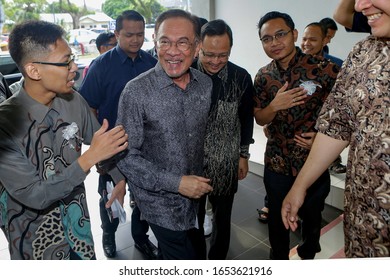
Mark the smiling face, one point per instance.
(378, 15)
(174, 61)
(312, 40)
(214, 54)
(283, 49)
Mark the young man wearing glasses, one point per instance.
(289, 93)
(165, 111)
(105, 80)
(104, 42)
(43, 203)
(229, 130)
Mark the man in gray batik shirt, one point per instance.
(165, 111)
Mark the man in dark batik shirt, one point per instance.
(229, 130)
(289, 93)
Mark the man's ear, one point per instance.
(295, 33)
(32, 71)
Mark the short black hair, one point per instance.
(103, 38)
(32, 39)
(128, 15)
(216, 27)
(174, 13)
(321, 26)
(201, 21)
(274, 15)
(329, 23)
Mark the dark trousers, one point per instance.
(109, 227)
(220, 236)
(139, 228)
(277, 186)
(178, 245)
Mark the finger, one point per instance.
(202, 179)
(285, 215)
(119, 140)
(293, 226)
(110, 201)
(117, 130)
(283, 88)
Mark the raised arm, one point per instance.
(344, 13)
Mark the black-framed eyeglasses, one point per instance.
(279, 35)
(182, 45)
(67, 64)
(110, 45)
(221, 56)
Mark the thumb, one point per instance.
(110, 201)
(283, 88)
(103, 128)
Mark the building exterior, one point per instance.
(62, 19)
(97, 20)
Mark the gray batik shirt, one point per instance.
(166, 127)
(42, 196)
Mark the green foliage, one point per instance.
(150, 9)
(21, 10)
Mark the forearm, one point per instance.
(35, 192)
(87, 160)
(264, 116)
(344, 12)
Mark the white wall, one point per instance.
(243, 16)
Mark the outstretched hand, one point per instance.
(105, 144)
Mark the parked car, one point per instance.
(83, 36)
(7, 64)
(99, 30)
(147, 44)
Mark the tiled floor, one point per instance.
(249, 237)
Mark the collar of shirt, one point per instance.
(37, 110)
(222, 74)
(123, 56)
(165, 81)
(292, 62)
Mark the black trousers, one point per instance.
(277, 186)
(220, 236)
(178, 245)
(139, 228)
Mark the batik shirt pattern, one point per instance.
(42, 195)
(282, 154)
(229, 126)
(358, 111)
